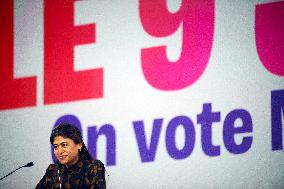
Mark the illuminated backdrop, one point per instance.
(167, 94)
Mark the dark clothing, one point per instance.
(84, 174)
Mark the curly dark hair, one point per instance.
(68, 130)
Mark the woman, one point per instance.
(75, 167)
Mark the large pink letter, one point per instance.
(61, 82)
(269, 34)
(15, 93)
(197, 20)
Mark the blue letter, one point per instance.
(229, 130)
(277, 104)
(147, 154)
(189, 137)
(93, 136)
(206, 118)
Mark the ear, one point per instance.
(79, 146)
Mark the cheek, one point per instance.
(75, 152)
(71, 152)
(55, 151)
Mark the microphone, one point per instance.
(27, 165)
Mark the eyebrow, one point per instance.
(60, 143)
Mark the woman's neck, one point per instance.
(72, 163)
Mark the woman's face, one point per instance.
(65, 150)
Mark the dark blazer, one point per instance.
(84, 174)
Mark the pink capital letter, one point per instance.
(269, 34)
(197, 20)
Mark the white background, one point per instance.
(234, 78)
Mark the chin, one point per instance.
(62, 161)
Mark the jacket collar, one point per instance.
(75, 167)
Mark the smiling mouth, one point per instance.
(61, 157)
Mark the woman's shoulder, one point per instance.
(95, 162)
(52, 166)
(95, 165)
(96, 173)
